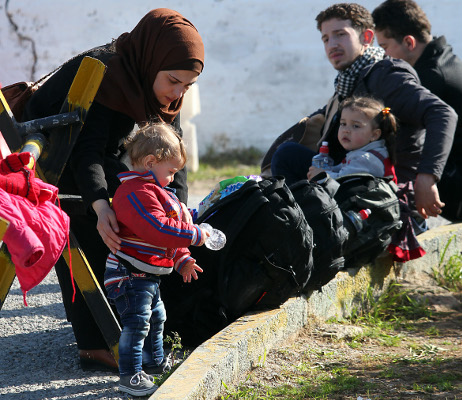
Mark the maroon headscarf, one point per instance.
(163, 38)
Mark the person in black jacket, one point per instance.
(148, 71)
(404, 31)
(426, 123)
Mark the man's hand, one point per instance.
(427, 199)
(107, 224)
(189, 270)
(313, 171)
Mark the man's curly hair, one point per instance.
(360, 17)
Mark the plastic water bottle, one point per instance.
(216, 240)
(322, 159)
(357, 218)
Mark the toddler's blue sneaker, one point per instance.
(140, 384)
(164, 366)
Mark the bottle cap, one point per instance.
(365, 213)
(324, 148)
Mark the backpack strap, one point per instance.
(389, 168)
(323, 179)
(257, 195)
(253, 201)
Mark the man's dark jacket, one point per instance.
(426, 123)
(440, 71)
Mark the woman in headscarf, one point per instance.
(148, 71)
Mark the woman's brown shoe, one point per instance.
(98, 360)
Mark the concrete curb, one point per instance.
(226, 357)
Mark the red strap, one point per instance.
(388, 166)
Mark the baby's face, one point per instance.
(356, 130)
(165, 170)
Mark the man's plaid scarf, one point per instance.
(346, 80)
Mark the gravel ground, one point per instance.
(38, 357)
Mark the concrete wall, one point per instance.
(265, 66)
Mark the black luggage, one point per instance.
(266, 260)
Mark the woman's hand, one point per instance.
(186, 214)
(107, 224)
(313, 171)
(189, 270)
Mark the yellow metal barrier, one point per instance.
(51, 163)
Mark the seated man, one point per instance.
(427, 124)
(404, 31)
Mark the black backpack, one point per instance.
(360, 191)
(326, 219)
(267, 259)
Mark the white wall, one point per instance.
(264, 70)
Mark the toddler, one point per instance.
(367, 131)
(155, 241)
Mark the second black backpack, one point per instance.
(266, 260)
(326, 219)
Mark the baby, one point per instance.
(367, 131)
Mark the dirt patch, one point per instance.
(420, 360)
(202, 187)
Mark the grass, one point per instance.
(428, 381)
(319, 385)
(217, 173)
(227, 163)
(422, 354)
(391, 309)
(330, 377)
(449, 274)
(178, 356)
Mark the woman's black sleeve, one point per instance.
(94, 163)
(179, 182)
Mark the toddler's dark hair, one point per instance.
(381, 117)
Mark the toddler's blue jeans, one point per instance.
(142, 314)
